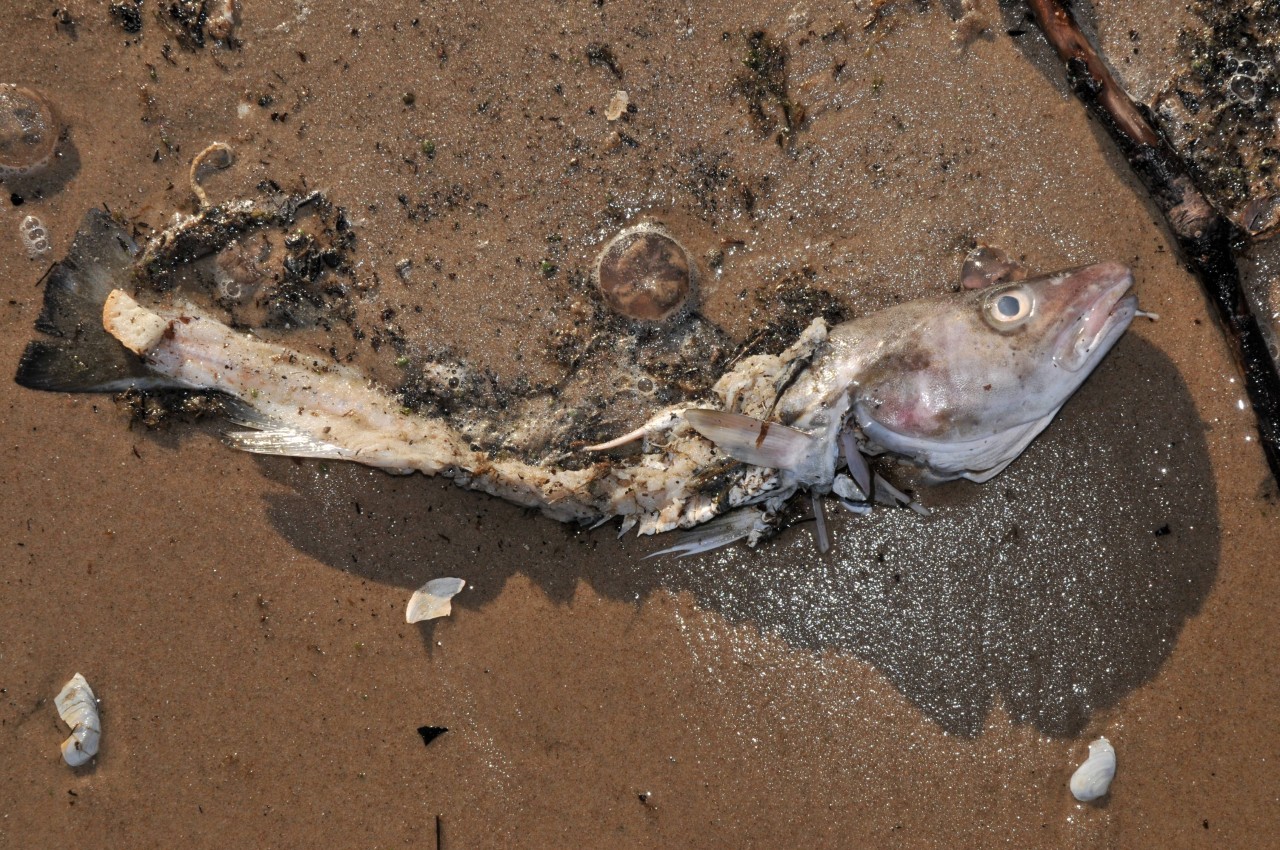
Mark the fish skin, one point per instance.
(948, 383)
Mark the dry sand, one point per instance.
(930, 683)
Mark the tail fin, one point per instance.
(82, 356)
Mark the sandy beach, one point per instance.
(930, 682)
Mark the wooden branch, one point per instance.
(1204, 237)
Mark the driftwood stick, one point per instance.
(1204, 236)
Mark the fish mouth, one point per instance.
(1107, 306)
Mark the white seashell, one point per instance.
(1092, 779)
(432, 599)
(78, 708)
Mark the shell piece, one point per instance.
(78, 708)
(432, 599)
(28, 131)
(617, 105)
(1092, 779)
(644, 273)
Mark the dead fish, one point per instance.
(958, 384)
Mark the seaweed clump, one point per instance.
(157, 408)
(763, 82)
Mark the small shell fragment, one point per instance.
(432, 599)
(1092, 779)
(78, 708)
(617, 106)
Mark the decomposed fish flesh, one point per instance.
(957, 384)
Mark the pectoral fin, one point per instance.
(729, 528)
(751, 440)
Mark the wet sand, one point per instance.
(928, 683)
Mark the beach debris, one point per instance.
(1205, 236)
(28, 131)
(430, 733)
(602, 55)
(644, 273)
(763, 83)
(1093, 778)
(222, 19)
(194, 21)
(128, 14)
(432, 599)
(218, 155)
(617, 106)
(78, 708)
(35, 237)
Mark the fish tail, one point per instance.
(77, 354)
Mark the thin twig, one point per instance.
(1204, 236)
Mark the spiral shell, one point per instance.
(644, 273)
(28, 131)
(1093, 778)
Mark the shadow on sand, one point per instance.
(1058, 587)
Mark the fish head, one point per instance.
(962, 385)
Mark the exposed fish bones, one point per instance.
(959, 384)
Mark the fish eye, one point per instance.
(1008, 309)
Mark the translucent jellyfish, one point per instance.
(28, 131)
(644, 273)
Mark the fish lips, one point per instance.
(1100, 296)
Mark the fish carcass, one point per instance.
(958, 384)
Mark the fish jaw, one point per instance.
(1102, 295)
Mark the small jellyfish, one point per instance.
(28, 131)
(35, 237)
(644, 273)
(238, 269)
